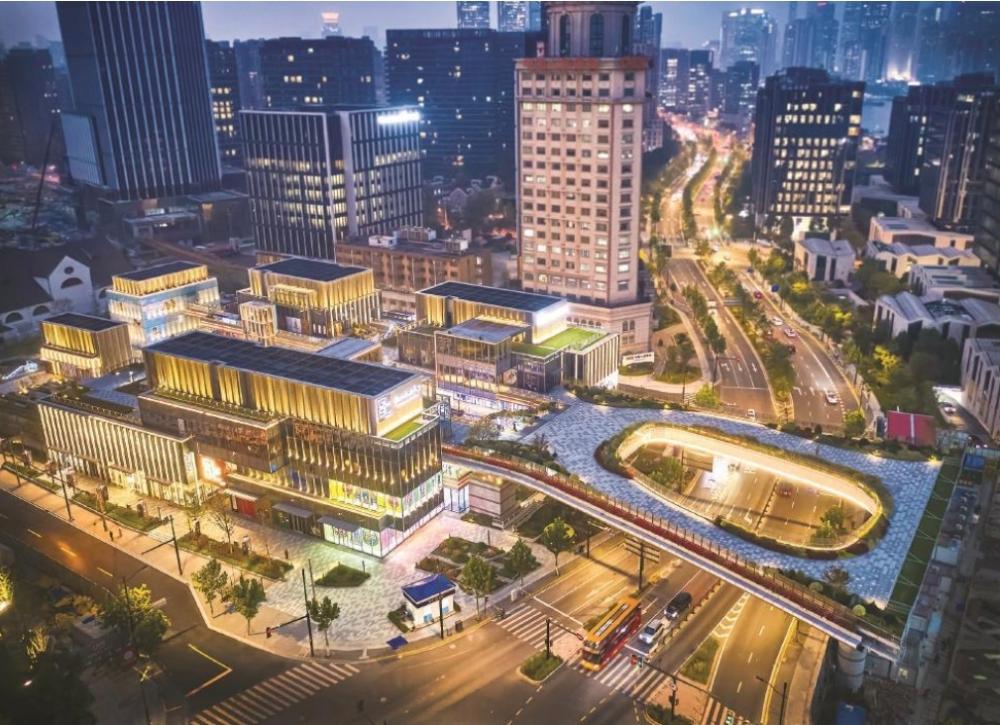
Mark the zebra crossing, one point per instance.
(268, 698)
(718, 714)
(528, 625)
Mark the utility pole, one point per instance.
(441, 612)
(305, 598)
(548, 638)
(177, 549)
(642, 561)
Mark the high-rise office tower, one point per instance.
(823, 33)
(748, 34)
(307, 71)
(512, 16)
(806, 131)
(141, 124)
(29, 108)
(674, 67)
(648, 29)
(223, 81)
(463, 82)
(974, 41)
(534, 15)
(902, 40)
(739, 94)
(699, 84)
(951, 177)
(472, 14)
(331, 24)
(933, 63)
(988, 232)
(864, 38)
(249, 78)
(579, 154)
(320, 176)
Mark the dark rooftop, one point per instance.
(347, 375)
(157, 270)
(319, 270)
(526, 301)
(84, 322)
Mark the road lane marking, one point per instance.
(739, 687)
(33, 533)
(106, 572)
(68, 550)
(210, 681)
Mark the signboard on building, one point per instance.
(639, 357)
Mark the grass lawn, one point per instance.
(207, 546)
(399, 433)
(689, 376)
(911, 575)
(699, 665)
(343, 576)
(538, 666)
(398, 617)
(535, 350)
(577, 337)
(635, 369)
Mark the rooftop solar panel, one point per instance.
(319, 270)
(527, 301)
(347, 375)
(157, 270)
(84, 322)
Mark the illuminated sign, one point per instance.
(391, 119)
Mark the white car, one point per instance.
(751, 414)
(790, 333)
(831, 397)
(652, 632)
(777, 321)
(948, 409)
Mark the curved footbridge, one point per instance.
(576, 434)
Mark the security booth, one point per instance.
(428, 598)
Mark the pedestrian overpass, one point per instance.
(856, 635)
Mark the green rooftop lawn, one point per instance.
(572, 337)
(410, 426)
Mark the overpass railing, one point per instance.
(685, 538)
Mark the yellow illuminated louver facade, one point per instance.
(154, 301)
(82, 346)
(100, 442)
(349, 443)
(316, 297)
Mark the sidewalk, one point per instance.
(364, 625)
(800, 667)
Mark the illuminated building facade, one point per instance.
(579, 154)
(483, 342)
(316, 177)
(223, 81)
(153, 301)
(337, 449)
(317, 71)
(106, 441)
(316, 297)
(82, 346)
(806, 133)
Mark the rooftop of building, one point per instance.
(158, 270)
(572, 338)
(318, 270)
(907, 224)
(828, 247)
(947, 276)
(922, 250)
(514, 299)
(969, 310)
(320, 370)
(347, 348)
(485, 330)
(988, 347)
(84, 322)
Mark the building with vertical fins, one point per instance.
(579, 155)
(141, 122)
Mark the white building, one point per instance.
(824, 260)
(955, 319)
(898, 258)
(981, 382)
(916, 232)
(579, 156)
(955, 283)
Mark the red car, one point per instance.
(758, 295)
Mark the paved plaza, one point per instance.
(575, 434)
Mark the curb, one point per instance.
(765, 710)
(538, 683)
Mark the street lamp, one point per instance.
(783, 693)
(54, 472)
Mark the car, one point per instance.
(777, 321)
(791, 348)
(652, 632)
(831, 397)
(789, 332)
(948, 409)
(784, 490)
(677, 606)
(751, 414)
(758, 295)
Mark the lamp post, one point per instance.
(783, 693)
(54, 473)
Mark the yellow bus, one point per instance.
(608, 636)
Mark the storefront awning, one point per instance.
(236, 493)
(339, 523)
(293, 510)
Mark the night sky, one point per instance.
(687, 24)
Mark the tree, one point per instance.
(854, 424)
(246, 596)
(211, 581)
(46, 688)
(6, 588)
(133, 616)
(484, 429)
(478, 207)
(557, 537)
(323, 613)
(669, 473)
(478, 577)
(520, 559)
(835, 518)
(837, 577)
(220, 513)
(707, 397)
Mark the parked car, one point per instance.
(651, 634)
(790, 333)
(678, 605)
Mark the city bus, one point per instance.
(607, 638)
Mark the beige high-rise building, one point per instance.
(579, 155)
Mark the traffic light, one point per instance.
(267, 633)
(633, 660)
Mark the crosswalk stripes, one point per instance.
(274, 695)
(716, 714)
(527, 624)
